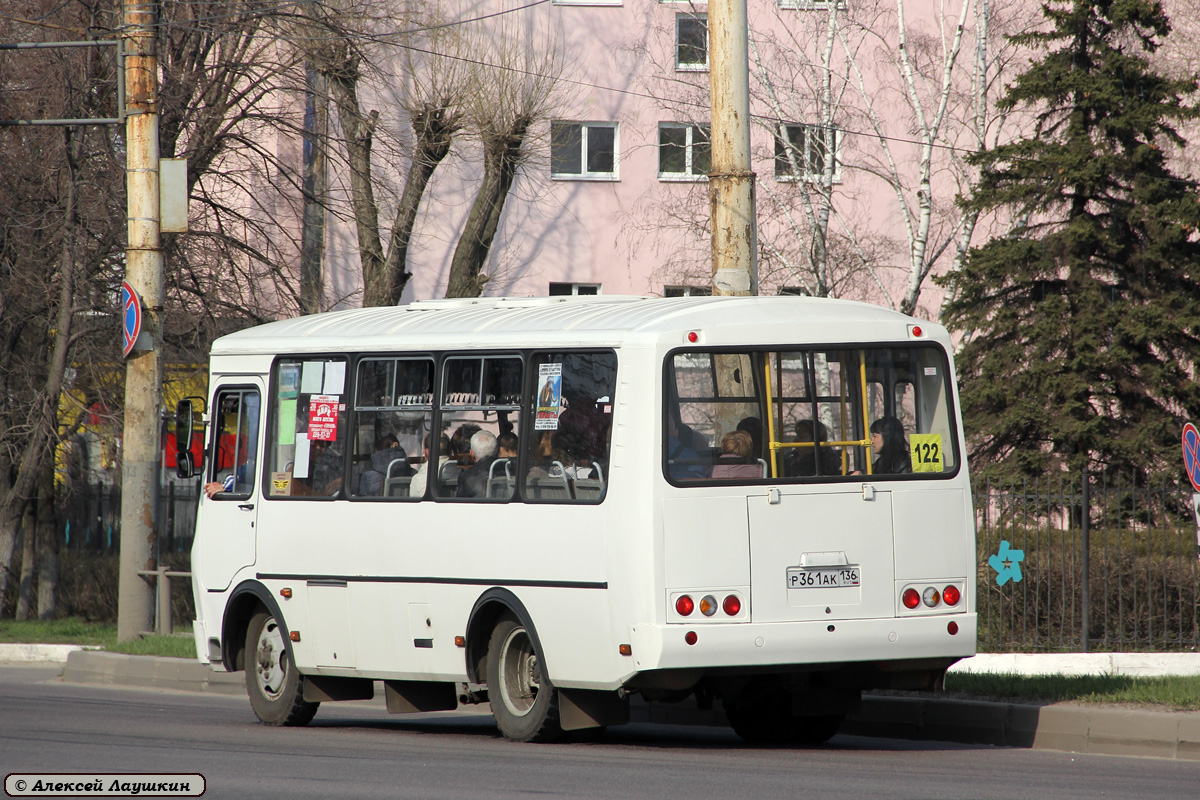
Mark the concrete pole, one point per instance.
(143, 372)
(731, 183)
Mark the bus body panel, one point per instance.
(791, 644)
(799, 541)
(381, 589)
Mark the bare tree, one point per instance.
(354, 49)
(515, 87)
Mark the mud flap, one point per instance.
(584, 708)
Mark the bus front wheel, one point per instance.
(524, 703)
(275, 687)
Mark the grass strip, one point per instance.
(1169, 692)
(73, 630)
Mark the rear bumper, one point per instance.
(657, 647)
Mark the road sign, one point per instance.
(1191, 454)
(131, 316)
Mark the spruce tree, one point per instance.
(1082, 323)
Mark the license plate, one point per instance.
(825, 578)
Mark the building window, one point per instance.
(684, 152)
(810, 147)
(810, 5)
(583, 150)
(563, 289)
(691, 41)
(687, 291)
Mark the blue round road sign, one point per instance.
(131, 306)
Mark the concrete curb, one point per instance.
(1131, 664)
(150, 672)
(37, 653)
(1078, 729)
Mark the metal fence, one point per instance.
(1128, 566)
(1103, 566)
(89, 518)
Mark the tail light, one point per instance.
(732, 605)
(685, 605)
(951, 595)
(911, 598)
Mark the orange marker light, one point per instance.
(285, 593)
(294, 636)
(625, 649)
(460, 641)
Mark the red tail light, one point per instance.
(732, 605)
(951, 595)
(685, 605)
(911, 598)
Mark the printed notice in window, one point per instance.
(549, 397)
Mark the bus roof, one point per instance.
(608, 320)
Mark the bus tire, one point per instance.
(275, 686)
(524, 703)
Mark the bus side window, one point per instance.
(481, 397)
(306, 446)
(235, 441)
(567, 457)
(393, 412)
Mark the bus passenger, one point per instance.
(754, 427)
(387, 450)
(417, 487)
(507, 443)
(736, 460)
(683, 463)
(889, 447)
(803, 462)
(473, 480)
(325, 470)
(460, 444)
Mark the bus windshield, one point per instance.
(809, 414)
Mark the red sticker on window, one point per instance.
(322, 418)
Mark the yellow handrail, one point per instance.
(772, 445)
(775, 446)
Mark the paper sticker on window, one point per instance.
(549, 400)
(926, 451)
(322, 418)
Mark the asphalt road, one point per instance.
(359, 751)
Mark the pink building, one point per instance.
(613, 195)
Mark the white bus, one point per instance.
(556, 504)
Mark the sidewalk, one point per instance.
(1071, 728)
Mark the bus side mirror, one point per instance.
(185, 417)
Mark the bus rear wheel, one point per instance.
(275, 687)
(524, 703)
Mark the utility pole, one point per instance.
(143, 371)
(731, 183)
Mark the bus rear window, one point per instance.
(809, 415)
